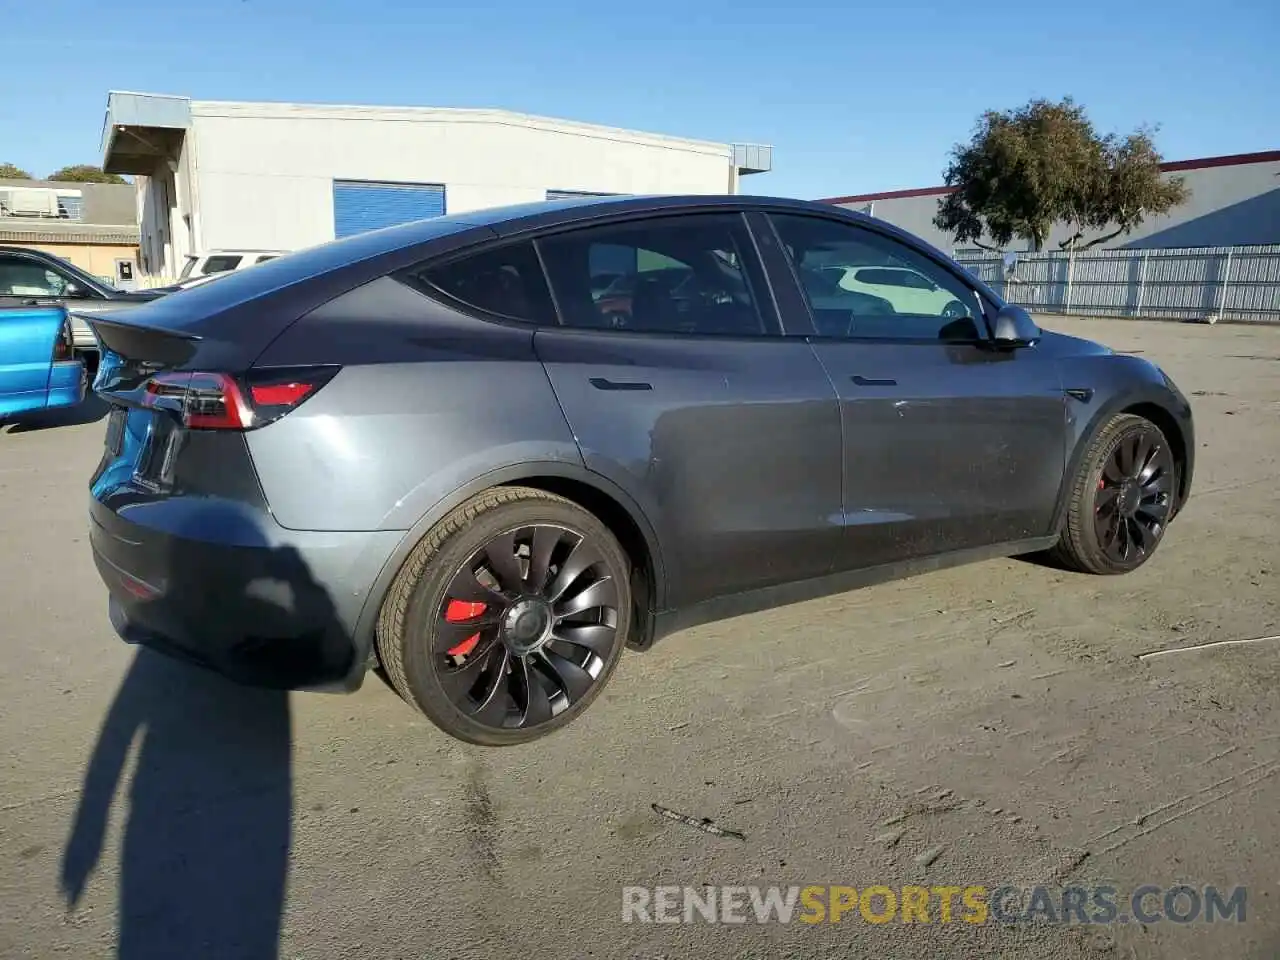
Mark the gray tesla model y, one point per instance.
(488, 452)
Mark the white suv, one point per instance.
(221, 261)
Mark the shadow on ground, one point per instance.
(205, 851)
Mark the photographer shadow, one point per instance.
(205, 853)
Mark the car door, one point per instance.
(31, 281)
(949, 443)
(28, 335)
(670, 369)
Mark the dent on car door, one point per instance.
(678, 389)
(949, 442)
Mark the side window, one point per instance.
(861, 284)
(221, 263)
(504, 281)
(679, 274)
(20, 277)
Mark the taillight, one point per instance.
(64, 343)
(222, 401)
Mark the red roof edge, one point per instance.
(892, 195)
(1229, 160)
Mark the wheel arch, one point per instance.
(573, 482)
(640, 544)
(1147, 404)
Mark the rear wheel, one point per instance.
(508, 618)
(1121, 499)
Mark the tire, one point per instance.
(1118, 509)
(416, 624)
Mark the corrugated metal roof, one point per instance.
(13, 230)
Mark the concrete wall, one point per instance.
(913, 214)
(167, 214)
(108, 202)
(264, 173)
(1229, 205)
(155, 248)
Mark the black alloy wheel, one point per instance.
(508, 617)
(1121, 499)
(1134, 496)
(526, 627)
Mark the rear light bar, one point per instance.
(64, 343)
(223, 401)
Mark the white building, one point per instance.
(218, 175)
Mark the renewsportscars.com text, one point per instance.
(972, 904)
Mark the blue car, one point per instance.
(38, 366)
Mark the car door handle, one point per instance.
(872, 382)
(601, 383)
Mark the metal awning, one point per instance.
(142, 129)
(753, 157)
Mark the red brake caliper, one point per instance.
(459, 611)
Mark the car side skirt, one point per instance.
(755, 601)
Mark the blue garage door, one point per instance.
(359, 205)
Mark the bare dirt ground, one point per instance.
(998, 712)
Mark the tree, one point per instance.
(1043, 164)
(85, 173)
(9, 171)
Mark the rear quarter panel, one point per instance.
(27, 336)
(428, 401)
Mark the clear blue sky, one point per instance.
(855, 97)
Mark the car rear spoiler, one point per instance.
(139, 343)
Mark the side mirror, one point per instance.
(1015, 328)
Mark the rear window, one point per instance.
(503, 281)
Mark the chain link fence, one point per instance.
(1224, 283)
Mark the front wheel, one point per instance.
(508, 618)
(1121, 499)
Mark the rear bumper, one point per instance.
(68, 381)
(224, 587)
